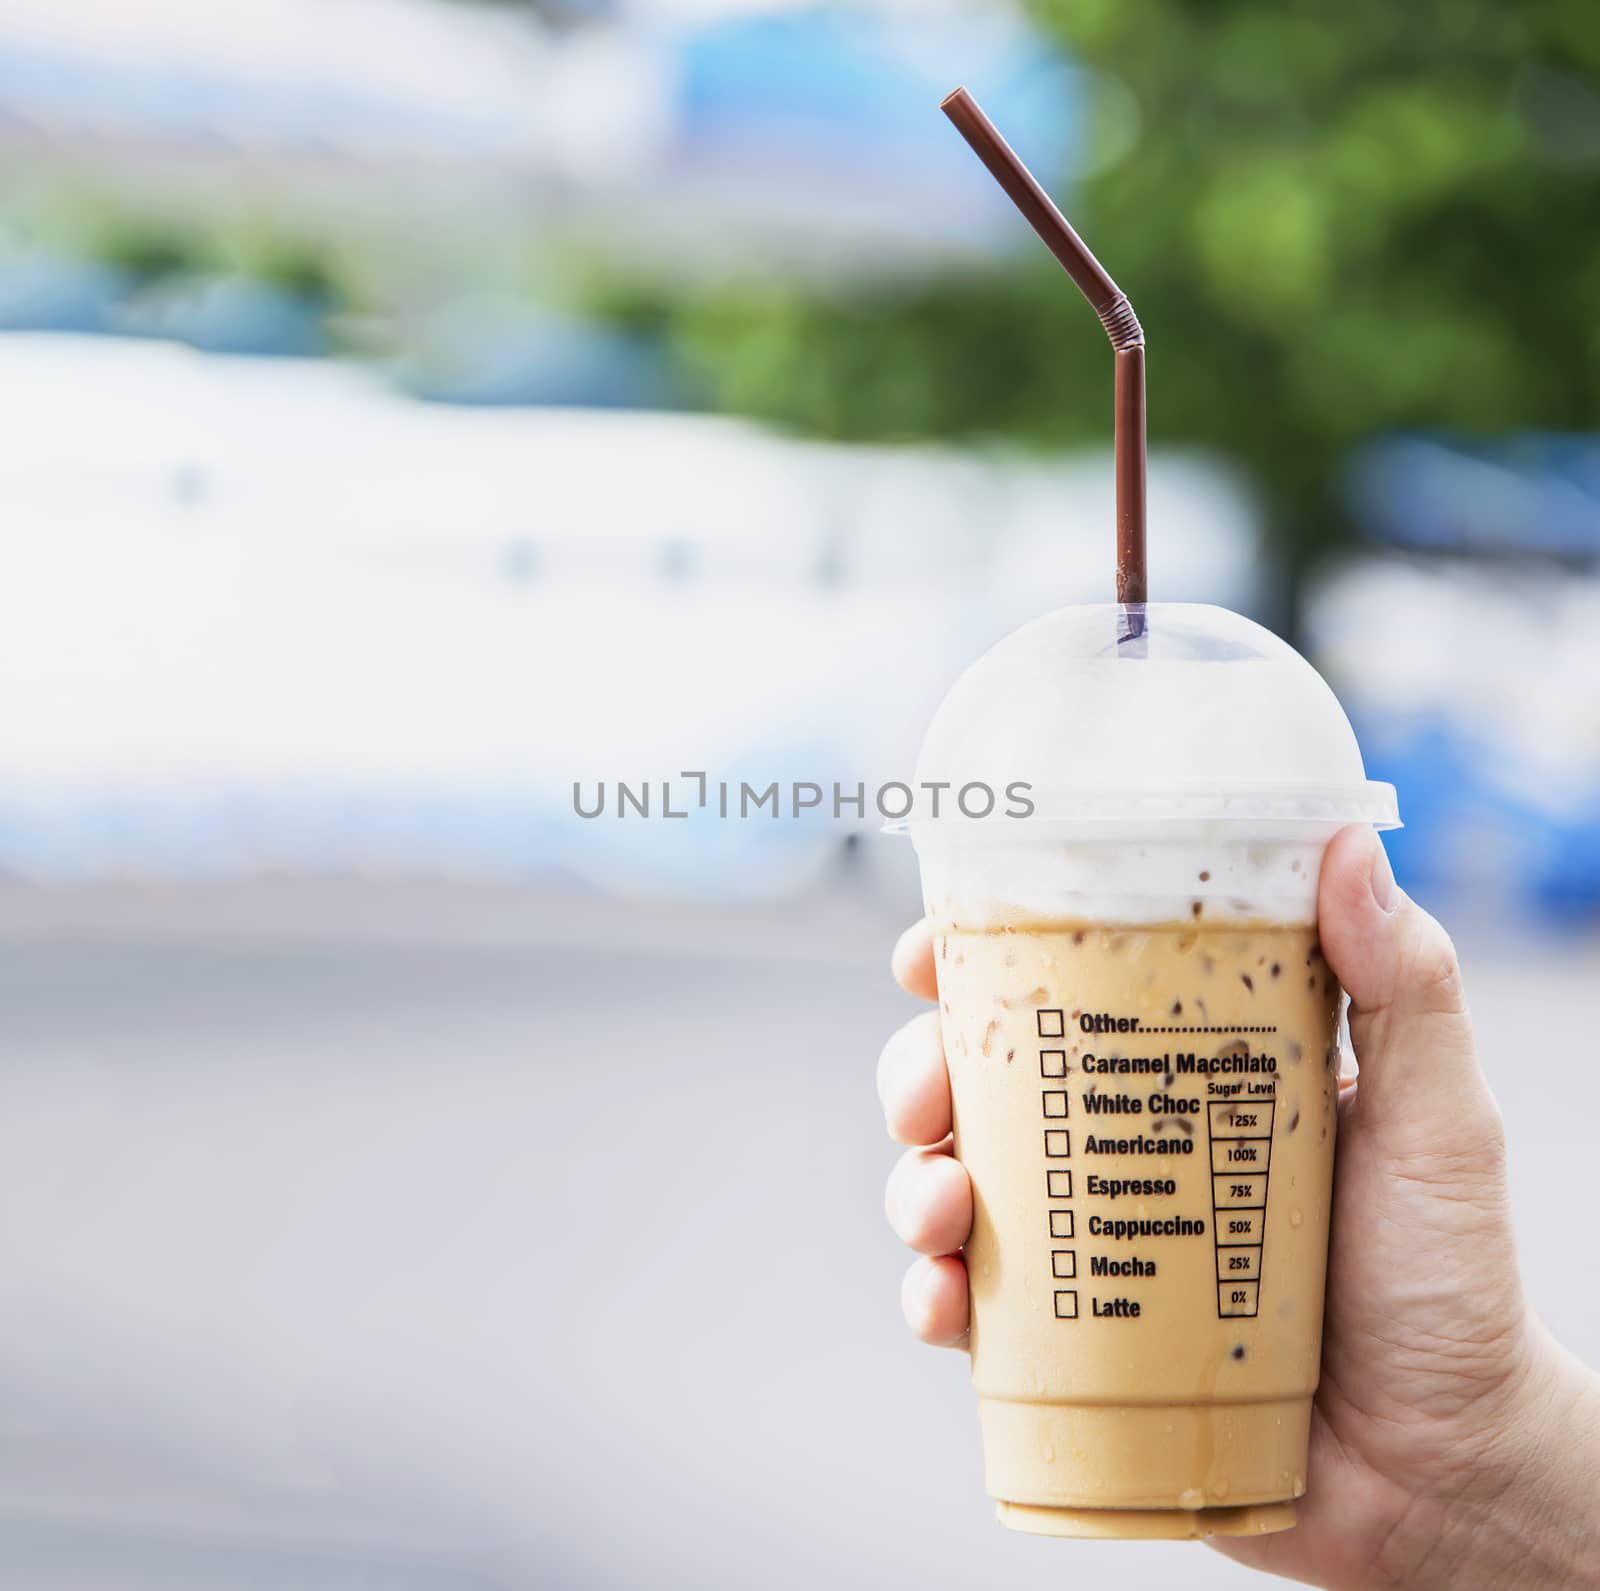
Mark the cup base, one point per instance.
(1147, 1524)
(1152, 1459)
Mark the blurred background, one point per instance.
(413, 408)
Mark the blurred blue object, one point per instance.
(41, 291)
(510, 353)
(1565, 884)
(1463, 835)
(224, 315)
(1528, 493)
(853, 87)
(1474, 687)
(1441, 796)
(217, 313)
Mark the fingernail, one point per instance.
(1384, 889)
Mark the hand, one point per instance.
(1453, 1443)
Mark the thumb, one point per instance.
(1408, 1011)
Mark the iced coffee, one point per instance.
(1175, 1087)
(1141, 1034)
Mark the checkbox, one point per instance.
(1052, 1063)
(1061, 1223)
(1064, 1264)
(1052, 1025)
(1067, 1305)
(1055, 1102)
(1058, 1144)
(1059, 1184)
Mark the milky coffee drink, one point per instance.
(1176, 1086)
(1141, 1034)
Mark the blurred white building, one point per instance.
(271, 613)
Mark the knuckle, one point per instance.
(1433, 969)
(1492, 1132)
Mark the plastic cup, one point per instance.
(1142, 1038)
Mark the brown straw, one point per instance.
(1116, 315)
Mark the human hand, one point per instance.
(1453, 1443)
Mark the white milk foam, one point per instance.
(971, 881)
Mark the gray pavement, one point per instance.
(438, 1237)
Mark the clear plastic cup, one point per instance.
(1143, 1046)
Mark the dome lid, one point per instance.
(1204, 717)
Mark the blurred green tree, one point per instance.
(1333, 221)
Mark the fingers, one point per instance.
(1408, 1013)
(929, 1198)
(914, 1084)
(929, 1202)
(912, 961)
(934, 1298)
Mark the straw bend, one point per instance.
(1116, 315)
(1121, 324)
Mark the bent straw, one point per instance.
(1116, 315)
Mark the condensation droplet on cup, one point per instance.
(1295, 1218)
(1219, 1487)
(1192, 1498)
(1299, 1485)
